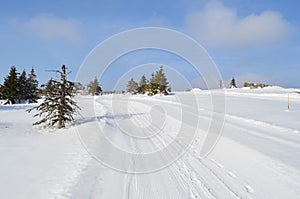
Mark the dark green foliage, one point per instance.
(132, 86)
(18, 88)
(233, 83)
(22, 88)
(58, 106)
(1, 97)
(33, 91)
(94, 88)
(9, 88)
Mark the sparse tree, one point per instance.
(58, 107)
(132, 86)
(94, 88)
(233, 83)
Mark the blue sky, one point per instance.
(253, 40)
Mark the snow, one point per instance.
(196, 90)
(257, 155)
(34, 163)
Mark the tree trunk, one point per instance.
(62, 98)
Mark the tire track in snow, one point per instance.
(213, 175)
(258, 131)
(198, 187)
(171, 174)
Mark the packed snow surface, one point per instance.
(257, 155)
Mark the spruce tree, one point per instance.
(33, 90)
(162, 81)
(143, 85)
(153, 86)
(94, 88)
(1, 97)
(9, 88)
(233, 83)
(132, 86)
(58, 107)
(158, 83)
(22, 87)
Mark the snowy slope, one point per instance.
(36, 163)
(256, 157)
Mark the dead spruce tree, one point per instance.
(58, 107)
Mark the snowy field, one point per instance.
(257, 155)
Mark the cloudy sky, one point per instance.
(252, 40)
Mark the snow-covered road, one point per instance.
(257, 155)
(255, 158)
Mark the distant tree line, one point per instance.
(157, 84)
(246, 84)
(19, 88)
(254, 85)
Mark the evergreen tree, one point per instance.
(153, 85)
(22, 87)
(94, 88)
(58, 107)
(233, 83)
(1, 97)
(132, 86)
(33, 91)
(143, 85)
(9, 88)
(158, 82)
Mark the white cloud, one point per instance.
(217, 25)
(49, 28)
